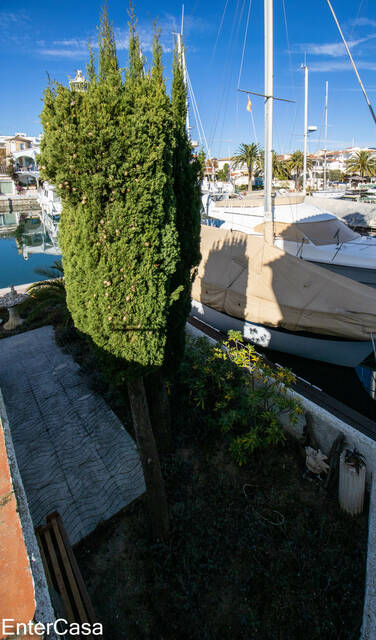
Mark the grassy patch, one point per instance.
(257, 551)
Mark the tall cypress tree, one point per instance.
(188, 208)
(110, 153)
(121, 160)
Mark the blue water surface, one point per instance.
(15, 270)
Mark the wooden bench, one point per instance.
(63, 574)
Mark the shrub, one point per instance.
(234, 392)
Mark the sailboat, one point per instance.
(247, 283)
(302, 228)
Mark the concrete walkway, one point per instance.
(73, 453)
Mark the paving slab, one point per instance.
(74, 455)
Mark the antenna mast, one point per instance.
(268, 159)
(304, 66)
(326, 130)
(181, 53)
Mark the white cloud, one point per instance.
(73, 42)
(15, 28)
(333, 49)
(64, 53)
(330, 65)
(75, 47)
(9, 19)
(146, 39)
(363, 22)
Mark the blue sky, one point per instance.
(41, 36)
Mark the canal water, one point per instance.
(354, 387)
(20, 257)
(34, 249)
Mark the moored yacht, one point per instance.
(245, 281)
(51, 209)
(303, 230)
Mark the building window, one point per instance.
(22, 146)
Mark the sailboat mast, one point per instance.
(181, 53)
(305, 128)
(326, 130)
(268, 159)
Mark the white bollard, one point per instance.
(352, 483)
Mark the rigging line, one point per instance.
(356, 17)
(292, 129)
(288, 45)
(352, 62)
(226, 72)
(234, 36)
(195, 7)
(193, 104)
(221, 91)
(200, 128)
(195, 115)
(219, 31)
(254, 128)
(245, 42)
(198, 114)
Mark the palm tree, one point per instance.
(363, 163)
(281, 169)
(49, 294)
(249, 155)
(296, 165)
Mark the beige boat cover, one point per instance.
(242, 276)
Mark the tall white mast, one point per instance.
(181, 54)
(268, 159)
(305, 127)
(326, 129)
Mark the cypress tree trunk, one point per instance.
(159, 409)
(149, 459)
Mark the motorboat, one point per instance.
(301, 229)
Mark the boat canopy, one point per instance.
(322, 232)
(242, 276)
(331, 231)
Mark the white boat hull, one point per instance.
(346, 353)
(328, 194)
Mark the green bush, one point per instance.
(232, 391)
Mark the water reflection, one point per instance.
(353, 387)
(31, 234)
(25, 244)
(32, 237)
(8, 223)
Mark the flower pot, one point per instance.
(352, 484)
